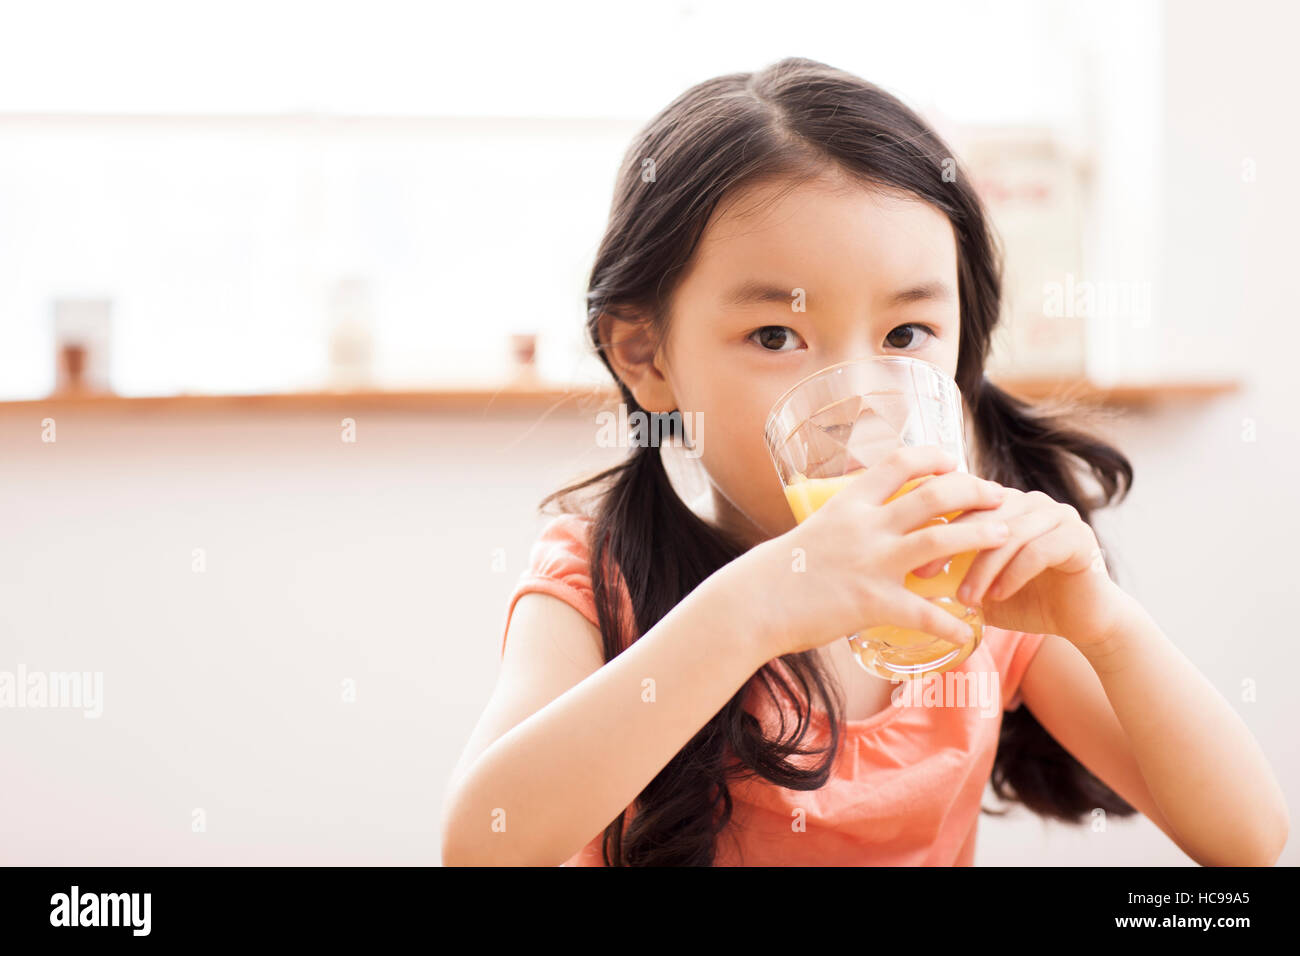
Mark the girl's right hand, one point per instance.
(842, 569)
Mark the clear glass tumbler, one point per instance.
(831, 426)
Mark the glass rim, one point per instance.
(785, 396)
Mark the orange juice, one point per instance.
(887, 650)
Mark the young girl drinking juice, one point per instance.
(696, 702)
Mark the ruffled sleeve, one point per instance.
(558, 564)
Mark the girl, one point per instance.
(695, 702)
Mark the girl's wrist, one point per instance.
(754, 606)
(1105, 646)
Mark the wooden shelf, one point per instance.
(1132, 393)
(453, 398)
(543, 396)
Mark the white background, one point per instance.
(216, 168)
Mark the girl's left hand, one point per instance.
(1049, 576)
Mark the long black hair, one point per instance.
(794, 120)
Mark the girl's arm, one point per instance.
(1139, 714)
(567, 741)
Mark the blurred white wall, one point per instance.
(223, 690)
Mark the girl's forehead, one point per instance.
(810, 229)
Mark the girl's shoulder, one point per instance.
(562, 544)
(558, 564)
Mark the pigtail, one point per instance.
(1025, 448)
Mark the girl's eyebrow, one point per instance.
(753, 291)
(935, 290)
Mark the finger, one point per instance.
(1013, 504)
(931, 569)
(945, 495)
(886, 476)
(1049, 550)
(941, 541)
(908, 610)
(989, 564)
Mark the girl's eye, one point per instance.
(910, 325)
(775, 338)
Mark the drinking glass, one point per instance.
(831, 426)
